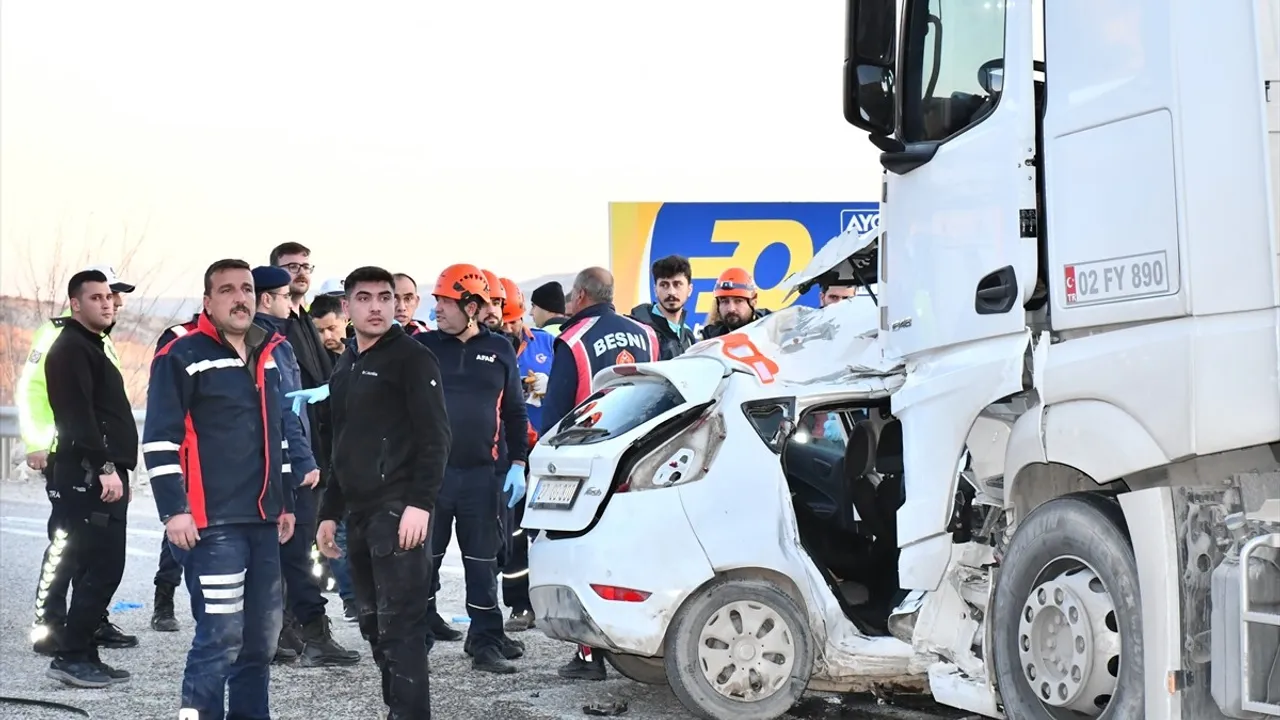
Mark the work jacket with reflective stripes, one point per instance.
(213, 441)
(35, 417)
(594, 339)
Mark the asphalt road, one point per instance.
(535, 693)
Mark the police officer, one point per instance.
(735, 307)
(482, 391)
(214, 448)
(672, 285)
(39, 435)
(97, 447)
(169, 571)
(534, 350)
(596, 337)
(547, 305)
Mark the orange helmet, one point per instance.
(513, 307)
(464, 283)
(496, 291)
(735, 282)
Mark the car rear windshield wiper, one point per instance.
(567, 437)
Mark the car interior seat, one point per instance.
(858, 496)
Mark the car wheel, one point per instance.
(647, 670)
(739, 650)
(1068, 616)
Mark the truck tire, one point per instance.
(646, 670)
(1068, 615)
(739, 650)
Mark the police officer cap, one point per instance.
(269, 277)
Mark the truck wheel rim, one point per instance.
(1069, 640)
(746, 651)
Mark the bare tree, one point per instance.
(42, 295)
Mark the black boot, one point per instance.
(109, 636)
(290, 644)
(162, 619)
(510, 648)
(581, 668)
(520, 621)
(82, 674)
(320, 649)
(441, 630)
(489, 659)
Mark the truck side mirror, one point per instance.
(870, 29)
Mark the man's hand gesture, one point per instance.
(325, 540)
(284, 527)
(413, 527)
(181, 531)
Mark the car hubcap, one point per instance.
(1069, 640)
(746, 651)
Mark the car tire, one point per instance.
(646, 670)
(1068, 613)
(763, 629)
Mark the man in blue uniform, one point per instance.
(213, 445)
(482, 391)
(594, 338)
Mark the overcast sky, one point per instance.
(405, 134)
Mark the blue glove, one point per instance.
(831, 428)
(514, 485)
(310, 397)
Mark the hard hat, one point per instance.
(513, 307)
(496, 291)
(735, 282)
(464, 283)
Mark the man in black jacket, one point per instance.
(391, 442)
(672, 285)
(97, 447)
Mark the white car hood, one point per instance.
(835, 345)
(833, 256)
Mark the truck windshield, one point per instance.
(947, 46)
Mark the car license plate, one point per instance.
(556, 494)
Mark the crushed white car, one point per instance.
(724, 522)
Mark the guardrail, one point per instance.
(14, 454)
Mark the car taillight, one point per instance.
(620, 594)
(683, 458)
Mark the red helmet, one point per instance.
(513, 307)
(735, 282)
(464, 283)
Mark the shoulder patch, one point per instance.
(59, 321)
(34, 357)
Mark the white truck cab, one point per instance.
(1078, 263)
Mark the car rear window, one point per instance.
(615, 410)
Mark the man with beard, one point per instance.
(407, 300)
(214, 445)
(39, 435)
(735, 306)
(97, 447)
(534, 350)
(596, 337)
(391, 442)
(483, 395)
(331, 322)
(672, 284)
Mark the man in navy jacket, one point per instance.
(306, 630)
(213, 444)
(483, 394)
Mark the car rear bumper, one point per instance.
(644, 542)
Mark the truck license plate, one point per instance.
(556, 494)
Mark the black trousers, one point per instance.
(391, 588)
(58, 570)
(95, 543)
(304, 601)
(515, 566)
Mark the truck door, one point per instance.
(958, 260)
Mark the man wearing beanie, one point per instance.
(304, 604)
(547, 304)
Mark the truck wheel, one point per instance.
(646, 670)
(739, 650)
(1068, 617)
